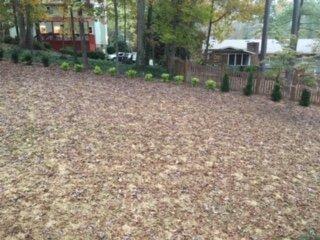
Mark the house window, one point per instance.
(239, 59)
(232, 59)
(245, 59)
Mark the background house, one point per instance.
(55, 28)
(245, 52)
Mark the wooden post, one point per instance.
(186, 70)
(258, 81)
(293, 86)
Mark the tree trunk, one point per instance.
(72, 31)
(22, 27)
(125, 21)
(15, 18)
(140, 32)
(295, 24)
(264, 38)
(83, 39)
(149, 34)
(206, 51)
(170, 54)
(116, 29)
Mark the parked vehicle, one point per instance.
(124, 57)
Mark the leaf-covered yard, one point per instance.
(94, 157)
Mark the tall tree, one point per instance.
(264, 38)
(206, 51)
(116, 28)
(140, 32)
(82, 34)
(295, 24)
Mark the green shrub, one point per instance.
(311, 235)
(70, 51)
(178, 79)
(276, 95)
(131, 73)
(195, 81)
(111, 49)
(45, 61)
(148, 77)
(78, 67)
(225, 85)
(248, 90)
(27, 58)
(97, 70)
(8, 40)
(65, 66)
(305, 100)
(15, 56)
(96, 55)
(1, 53)
(211, 85)
(165, 77)
(47, 45)
(112, 71)
(38, 45)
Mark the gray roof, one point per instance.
(305, 46)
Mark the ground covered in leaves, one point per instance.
(94, 157)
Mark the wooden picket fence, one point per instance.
(238, 80)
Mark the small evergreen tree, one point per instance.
(276, 95)
(305, 100)
(225, 86)
(248, 90)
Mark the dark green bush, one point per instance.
(15, 56)
(276, 95)
(38, 45)
(1, 53)
(47, 45)
(305, 100)
(27, 58)
(248, 90)
(111, 49)
(225, 85)
(96, 55)
(70, 51)
(45, 61)
(8, 40)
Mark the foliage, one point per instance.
(69, 51)
(97, 55)
(178, 79)
(65, 66)
(78, 67)
(9, 40)
(276, 95)
(148, 77)
(311, 235)
(131, 73)
(41, 45)
(195, 81)
(248, 90)
(112, 71)
(27, 58)
(97, 70)
(111, 49)
(15, 55)
(165, 77)
(211, 84)
(45, 61)
(305, 98)
(309, 81)
(225, 85)
(1, 53)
